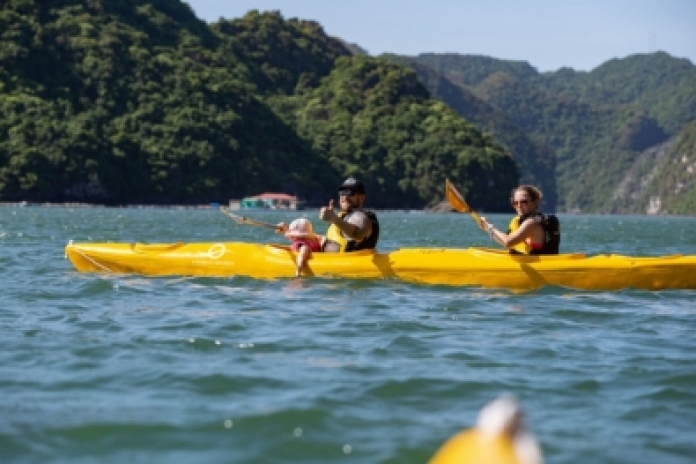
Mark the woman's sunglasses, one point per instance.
(519, 202)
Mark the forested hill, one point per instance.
(669, 186)
(598, 123)
(537, 161)
(122, 101)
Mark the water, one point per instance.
(99, 368)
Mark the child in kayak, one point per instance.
(304, 241)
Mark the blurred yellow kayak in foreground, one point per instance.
(499, 437)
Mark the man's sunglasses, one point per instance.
(519, 202)
(346, 193)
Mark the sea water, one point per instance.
(125, 368)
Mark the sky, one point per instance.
(548, 34)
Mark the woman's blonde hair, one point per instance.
(533, 192)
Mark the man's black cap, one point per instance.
(353, 185)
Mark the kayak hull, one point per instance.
(444, 266)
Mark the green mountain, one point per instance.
(125, 101)
(598, 123)
(536, 160)
(663, 85)
(670, 183)
(592, 143)
(134, 102)
(471, 70)
(376, 120)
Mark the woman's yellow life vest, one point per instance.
(521, 247)
(552, 234)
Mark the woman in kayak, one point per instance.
(530, 232)
(304, 241)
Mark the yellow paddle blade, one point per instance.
(455, 198)
(457, 201)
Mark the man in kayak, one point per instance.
(530, 232)
(353, 228)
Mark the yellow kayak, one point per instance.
(446, 266)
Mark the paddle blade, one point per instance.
(247, 221)
(457, 201)
(455, 198)
(236, 218)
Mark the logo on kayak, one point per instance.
(216, 251)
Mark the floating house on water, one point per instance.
(268, 201)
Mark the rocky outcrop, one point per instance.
(630, 190)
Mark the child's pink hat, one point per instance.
(300, 228)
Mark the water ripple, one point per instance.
(98, 368)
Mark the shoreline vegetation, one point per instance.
(443, 207)
(213, 206)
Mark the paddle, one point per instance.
(457, 201)
(248, 221)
